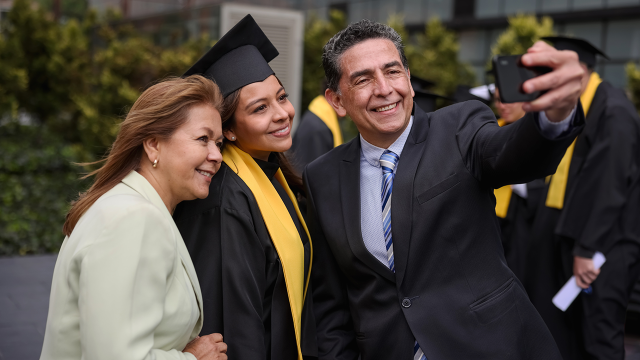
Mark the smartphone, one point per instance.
(511, 74)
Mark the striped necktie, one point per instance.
(388, 162)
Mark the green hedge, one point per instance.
(37, 183)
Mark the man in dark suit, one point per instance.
(426, 277)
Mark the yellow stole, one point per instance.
(558, 185)
(321, 107)
(503, 194)
(283, 232)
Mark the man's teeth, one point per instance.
(281, 131)
(204, 173)
(388, 107)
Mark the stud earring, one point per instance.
(233, 138)
(155, 163)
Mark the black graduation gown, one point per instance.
(600, 213)
(240, 274)
(312, 139)
(516, 227)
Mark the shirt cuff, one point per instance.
(553, 130)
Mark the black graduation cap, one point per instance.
(421, 84)
(238, 59)
(427, 100)
(586, 51)
(462, 94)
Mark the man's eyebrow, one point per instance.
(360, 73)
(392, 64)
(369, 71)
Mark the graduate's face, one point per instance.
(375, 91)
(262, 119)
(190, 157)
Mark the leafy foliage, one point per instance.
(522, 33)
(433, 55)
(317, 32)
(633, 83)
(38, 182)
(72, 82)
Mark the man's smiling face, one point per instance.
(374, 90)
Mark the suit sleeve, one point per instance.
(512, 154)
(335, 332)
(124, 276)
(603, 184)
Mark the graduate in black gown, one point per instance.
(515, 204)
(318, 132)
(590, 204)
(247, 239)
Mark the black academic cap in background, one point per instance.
(238, 59)
(426, 100)
(463, 94)
(586, 51)
(421, 84)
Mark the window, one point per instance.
(614, 3)
(442, 9)
(472, 46)
(592, 32)
(360, 10)
(488, 8)
(412, 10)
(512, 7)
(554, 5)
(623, 39)
(587, 4)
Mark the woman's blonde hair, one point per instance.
(158, 112)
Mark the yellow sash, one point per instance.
(281, 227)
(503, 194)
(558, 185)
(325, 112)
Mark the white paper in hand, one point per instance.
(570, 290)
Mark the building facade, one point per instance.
(611, 25)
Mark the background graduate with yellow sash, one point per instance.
(249, 243)
(318, 132)
(590, 204)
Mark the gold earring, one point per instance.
(155, 163)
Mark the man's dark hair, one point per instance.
(352, 35)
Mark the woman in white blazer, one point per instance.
(124, 286)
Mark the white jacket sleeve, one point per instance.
(124, 277)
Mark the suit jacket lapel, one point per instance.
(402, 196)
(350, 197)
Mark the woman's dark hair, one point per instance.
(229, 106)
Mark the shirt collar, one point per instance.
(372, 153)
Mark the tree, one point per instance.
(633, 84)
(433, 55)
(75, 81)
(522, 33)
(44, 59)
(317, 32)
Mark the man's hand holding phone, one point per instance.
(561, 86)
